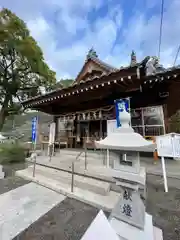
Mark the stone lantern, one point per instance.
(129, 217)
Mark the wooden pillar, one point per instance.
(100, 128)
(88, 135)
(166, 119)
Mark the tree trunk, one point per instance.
(2, 117)
(3, 112)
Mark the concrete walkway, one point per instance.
(22, 206)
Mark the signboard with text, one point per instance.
(168, 145)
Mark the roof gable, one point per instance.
(93, 65)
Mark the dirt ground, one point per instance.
(165, 207)
(67, 221)
(70, 219)
(10, 183)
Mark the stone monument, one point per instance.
(129, 217)
(1, 172)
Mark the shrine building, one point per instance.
(87, 106)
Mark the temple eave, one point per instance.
(98, 87)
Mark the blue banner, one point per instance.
(34, 129)
(120, 105)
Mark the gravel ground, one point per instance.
(67, 221)
(10, 181)
(165, 207)
(70, 219)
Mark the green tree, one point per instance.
(63, 83)
(174, 122)
(22, 65)
(66, 82)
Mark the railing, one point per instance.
(73, 163)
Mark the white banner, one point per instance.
(52, 133)
(111, 126)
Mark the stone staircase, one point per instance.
(91, 191)
(82, 182)
(93, 185)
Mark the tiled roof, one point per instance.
(99, 62)
(102, 64)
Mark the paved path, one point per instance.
(24, 205)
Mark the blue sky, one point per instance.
(66, 30)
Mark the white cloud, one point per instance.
(65, 33)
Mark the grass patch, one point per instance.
(12, 153)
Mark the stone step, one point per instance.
(82, 182)
(104, 202)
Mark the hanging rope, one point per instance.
(176, 55)
(160, 33)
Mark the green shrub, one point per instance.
(11, 153)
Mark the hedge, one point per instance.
(12, 153)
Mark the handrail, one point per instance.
(73, 162)
(79, 154)
(85, 156)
